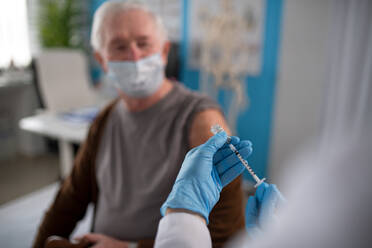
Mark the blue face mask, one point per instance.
(140, 78)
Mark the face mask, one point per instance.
(137, 78)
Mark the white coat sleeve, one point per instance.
(182, 230)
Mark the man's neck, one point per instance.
(140, 104)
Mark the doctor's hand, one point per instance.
(261, 207)
(204, 172)
(102, 241)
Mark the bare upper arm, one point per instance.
(227, 217)
(201, 126)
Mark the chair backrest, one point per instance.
(64, 81)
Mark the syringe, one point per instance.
(217, 129)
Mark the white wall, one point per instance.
(300, 88)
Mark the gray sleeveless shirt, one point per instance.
(138, 160)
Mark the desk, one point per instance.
(54, 126)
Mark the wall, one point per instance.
(255, 123)
(300, 88)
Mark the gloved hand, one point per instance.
(261, 207)
(204, 172)
(227, 163)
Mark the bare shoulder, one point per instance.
(201, 126)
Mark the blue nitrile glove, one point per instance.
(227, 163)
(204, 172)
(261, 207)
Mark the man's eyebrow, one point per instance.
(117, 40)
(143, 37)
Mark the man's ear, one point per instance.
(101, 61)
(165, 52)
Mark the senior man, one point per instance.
(135, 146)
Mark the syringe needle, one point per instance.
(216, 129)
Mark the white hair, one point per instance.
(114, 7)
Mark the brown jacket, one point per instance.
(80, 189)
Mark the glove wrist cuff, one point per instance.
(194, 200)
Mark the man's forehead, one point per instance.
(129, 24)
(131, 20)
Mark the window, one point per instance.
(14, 39)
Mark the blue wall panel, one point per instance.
(256, 122)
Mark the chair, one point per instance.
(63, 84)
(63, 79)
